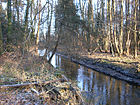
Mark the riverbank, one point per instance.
(126, 69)
(29, 79)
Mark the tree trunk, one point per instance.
(121, 33)
(50, 23)
(1, 37)
(9, 13)
(106, 44)
(135, 28)
(37, 36)
(107, 40)
(111, 31)
(116, 44)
(128, 41)
(26, 15)
(17, 8)
(92, 16)
(89, 28)
(82, 6)
(32, 26)
(53, 52)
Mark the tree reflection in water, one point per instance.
(97, 88)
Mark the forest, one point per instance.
(97, 35)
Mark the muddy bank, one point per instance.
(128, 74)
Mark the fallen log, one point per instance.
(31, 84)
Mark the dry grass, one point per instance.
(123, 61)
(18, 69)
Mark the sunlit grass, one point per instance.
(30, 69)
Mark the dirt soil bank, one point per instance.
(123, 69)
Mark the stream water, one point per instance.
(97, 88)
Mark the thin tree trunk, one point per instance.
(121, 33)
(115, 31)
(111, 31)
(26, 16)
(50, 23)
(1, 36)
(135, 28)
(57, 43)
(32, 26)
(17, 8)
(9, 13)
(35, 19)
(25, 27)
(1, 39)
(92, 15)
(128, 41)
(37, 36)
(82, 9)
(107, 39)
(89, 29)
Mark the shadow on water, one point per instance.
(97, 88)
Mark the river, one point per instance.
(97, 88)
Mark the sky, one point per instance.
(4, 5)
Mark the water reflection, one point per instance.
(41, 52)
(98, 89)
